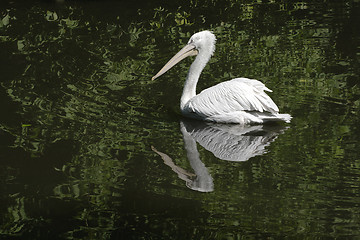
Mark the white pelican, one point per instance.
(240, 100)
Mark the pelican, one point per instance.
(240, 100)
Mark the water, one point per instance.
(91, 148)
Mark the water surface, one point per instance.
(91, 148)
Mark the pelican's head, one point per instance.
(202, 43)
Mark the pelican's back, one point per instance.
(240, 100)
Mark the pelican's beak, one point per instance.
(188, 50)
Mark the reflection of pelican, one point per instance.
(240, 100)
(232, 142)
(227, 142)
(200, 181)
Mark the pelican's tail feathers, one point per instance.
(276, 117)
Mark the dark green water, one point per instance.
(83, 129)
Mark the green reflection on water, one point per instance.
(81, 114)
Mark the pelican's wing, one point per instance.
(240, 94)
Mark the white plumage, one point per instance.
(240, 100)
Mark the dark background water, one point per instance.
(83, 129)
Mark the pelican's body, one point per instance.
(240, 100)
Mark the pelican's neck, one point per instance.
(192, 78)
